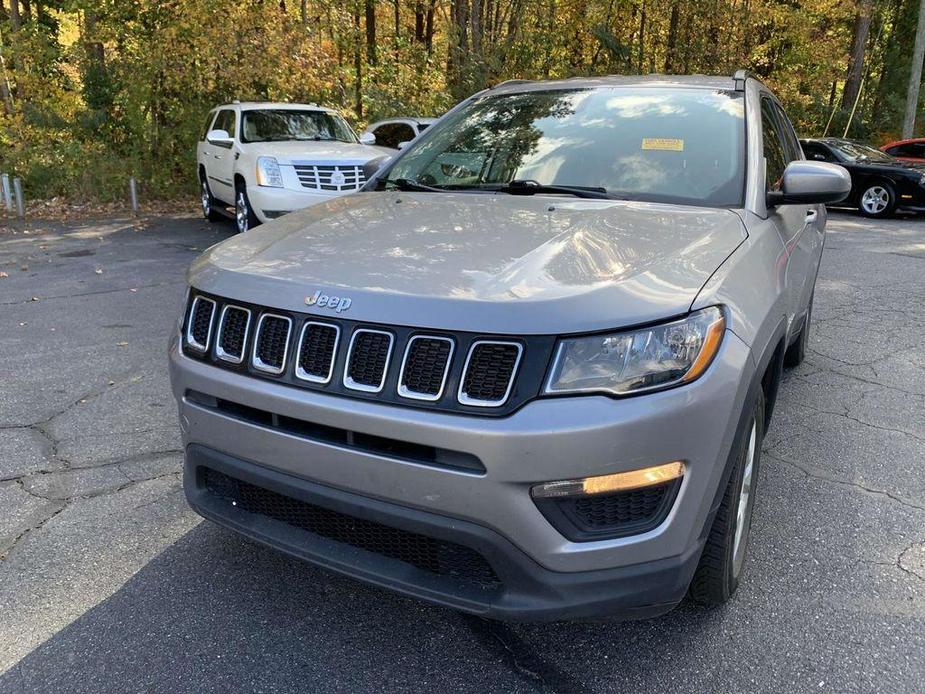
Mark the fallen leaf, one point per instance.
(98, 271)
(122, 344)
(35, 298)
(3, 274)
(24, 268)
(22, 324)
(133, 289)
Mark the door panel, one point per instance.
(221, 166)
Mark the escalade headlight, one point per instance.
(635, 361)
(268, 173)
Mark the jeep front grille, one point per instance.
(317, 348)
(271, 343)
(489, 373)
(336, 178)
(232, 333)
(199, 331)
(402, 365)
(368, 360)
(425, 367)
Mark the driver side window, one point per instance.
(775, 159)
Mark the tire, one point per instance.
(878, 200)
(209, 210)
(723, 559)
(796, 352)
(244, 216)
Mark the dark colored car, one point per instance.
(880, 183)
(908, 150)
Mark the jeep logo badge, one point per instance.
(335, 303)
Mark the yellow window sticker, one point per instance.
(665, 144)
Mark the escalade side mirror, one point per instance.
(811, 182)
(367, 139)
(220, 137)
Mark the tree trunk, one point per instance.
(371, 31)
(670, 57)
(303, 12)
(397, 23)
(915, 75)
(419, 22)
(429, 27)
(858, 50)
(14, 14)
(642, 37)
(26, 11)
(357, 63)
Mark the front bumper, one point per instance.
(544, 575)
(270, 203)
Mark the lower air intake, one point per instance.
(424, 553)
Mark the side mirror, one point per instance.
(811, 182)
(402, 145)
(367, 139)
(220, 137)
(373, 166)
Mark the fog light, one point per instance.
(618, 482)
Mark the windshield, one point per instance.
(854, 151)
(280, 125)
(646, 143)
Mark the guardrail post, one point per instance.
(133, 195)
(17, 193)
(7, 193)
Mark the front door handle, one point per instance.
(811, 216)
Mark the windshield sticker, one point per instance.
(664, 144)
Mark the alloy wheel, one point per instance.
(746, 500)
(206, 199)
(875, 199)
(241, 211)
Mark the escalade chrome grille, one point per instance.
(368, 360)
(400, 365)
(425, 367)
(317, 348)
(336, 177)
(272, 343)
(489, 373)
(232, 334)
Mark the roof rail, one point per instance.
(740, 76)
(507, 82)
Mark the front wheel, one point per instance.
(878, 200)
(243, 214)
(723, 558)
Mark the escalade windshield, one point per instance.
(656, 144)
(280, 125)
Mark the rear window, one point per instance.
(660, 144)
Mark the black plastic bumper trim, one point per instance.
(529, 591)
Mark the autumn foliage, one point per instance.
(95, 91)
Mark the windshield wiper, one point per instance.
(408, 185)
(528, 187)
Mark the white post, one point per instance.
(17, 193)
(7, 193)
(133, 195)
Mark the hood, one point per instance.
(313, 151)
(472, 262)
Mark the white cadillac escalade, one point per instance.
(267, 159)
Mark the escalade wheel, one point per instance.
(878, 201)
(208, 202)
(723, 558)
(243, 214)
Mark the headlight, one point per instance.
(268, 173)
(635, 361)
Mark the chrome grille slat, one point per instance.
(368, 360)
(231, 340)
(319, 176)
(315, 361)
(425, 367)
(271, 347)
(489, 364)
(201, 318)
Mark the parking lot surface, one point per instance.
(109, 583)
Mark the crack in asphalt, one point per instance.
(98, 292)
(823, 476)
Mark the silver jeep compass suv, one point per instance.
(526, 371)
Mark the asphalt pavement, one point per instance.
(109, 583)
